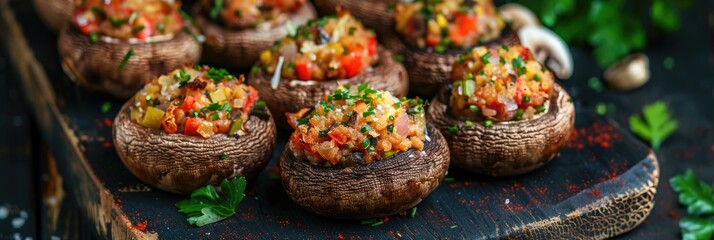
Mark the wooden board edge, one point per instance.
(101, 209)
(596, 220)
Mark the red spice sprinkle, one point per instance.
(674, 214)
(596, 192)
(141, 226)
(341, 236)
(107, 122)
(541, 190)
(454, 185)
(602, 135)
(518, 207)
(107, 144)
(572, 188)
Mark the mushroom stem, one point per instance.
(549, 48)
(518, 15)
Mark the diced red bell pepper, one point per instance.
(526, 54)
(250, 99)
(431, 40)
(339, 136)
(519, 91)
(352, 63)
(188, 103)
(302, 69)
(147, 31)
(372, 46)
(466, 23)
(88, 26)
(191, 128)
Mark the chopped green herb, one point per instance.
(217, 75)
(454, 129)
(377, 223)
(369, 112)
(205, 205)
(303, 121)
(214, 117)
(485, 57)
(193, 35)
(182, 77)
(188, 18)
(537, 78)
(133, 17)
(461, 59)
(595, 84)
(362, 87)
(161, 27)
(106, 106)
(488, 123)
(448, 179)
(504, 47)
(216, 10)
(656, 126)
(391, 118)
(440, 48)
(398, 57)
(526, 99)
(100, 12)
(226, 108)
(323, 133)
(540, 109)
(352, 31)
(194, 113)
(365, 128)
(237, 13)
(519, 115)
(322, 21)
(223, 156)
(390, 128)
(473, 108)
(124, 60)
(454, 226)
(366, 143)
(93, 37)
(260, 104)
(137, 29)
(469, 124)
(413, 214)
(601, 109)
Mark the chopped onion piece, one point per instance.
(276, 76)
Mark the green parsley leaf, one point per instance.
(485, 57)
(694, 228)
(595, 84)
(182, 77)
(93, 37)
(398, 57)
(413, 212)
(303, 121)
(124, 60)
(137, 29)
(454, 129)
(260, 104)
(205, 206)
(223, 156)
(188, 18)
(488, 123)
(697, 195)
(366, 142)
(656, 126)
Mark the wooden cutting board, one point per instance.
(602, 184)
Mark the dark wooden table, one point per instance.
(688, 88)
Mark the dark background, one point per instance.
(688, 88)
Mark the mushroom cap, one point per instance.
(378, 189)
(96, 65)
(54, 13)
(241, 48)
(429, 70)
(293, 95)
(374, 14)
(179, 163)
(506, 148)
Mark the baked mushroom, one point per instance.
(238, 30)
(503, 114)
(195, 126)
(375, 14)
(115, 46)
(54, 13)
(303, 68)
(362, 153)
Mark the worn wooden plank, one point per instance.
(590, 191)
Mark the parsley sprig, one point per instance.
(205, 205)
(698, 196)
(657, 125)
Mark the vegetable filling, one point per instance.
(251, 14)
(325, 49)
(448, 24)
(358, 125)
(196, 101)
(127, 19)
(499, 84)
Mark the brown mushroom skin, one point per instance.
(429, 70)
(54, 13)
(293, 95)
(178, 163)
(241, 48)
(379, 189)
(506, 148)
(96, 65)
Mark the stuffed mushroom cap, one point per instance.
(503, 113)
(301, 69)
(116, 46)
(362, 153)
(195, 126)
(56, 13)
(237, 31)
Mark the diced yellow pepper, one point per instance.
(217, 96)
(135, 114)
(266, 56)
(205, 129)
(441, 20)
(152, 118)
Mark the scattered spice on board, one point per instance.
(141, 226)
(596, 192)
(597, 134)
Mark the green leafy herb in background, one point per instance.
(697, 195)
(656, 126)
(613, 27)
(205, 205)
